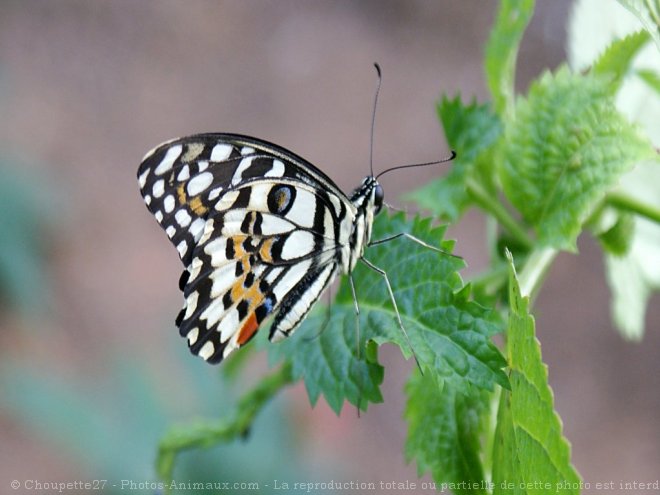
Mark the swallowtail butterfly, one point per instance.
(260, 231)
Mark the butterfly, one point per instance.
(261, 233)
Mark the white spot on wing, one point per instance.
(277, 169)
(206, 351)
(217, 249)
(147, 199)
(259, 196)
(191, 304)
(168, 203)
(182, 218)
(273, 274)
(182, 248)
(299, 243)
(199, 183)
(242, 167)
(192, 336)
(159, 188)
(197, 228)
(213, 312)
(229, 325)
(227, 200)
(203, 165)
(208, 231)
(328, 224)
(303, 209)
(195, 268)
(184, 174)
(230, 347)
(215, 192)
(170, 231)
(221, 152)
(246, 150)
(168, 160)
(223, 278)
(159, 216)
(143, 178)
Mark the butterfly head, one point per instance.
(368, 198)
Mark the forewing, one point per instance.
(183, 180)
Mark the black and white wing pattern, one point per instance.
(259, 230)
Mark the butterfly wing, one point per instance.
(182, 180)
(239, 279)
(259, 229)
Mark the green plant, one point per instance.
(543, 167)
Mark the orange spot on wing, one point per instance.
(237, 290)
(239, 252)
(248, 330)
(197, 206)
(264, 251)
(181, 193)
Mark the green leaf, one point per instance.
(444, 428)
(651, 78)
(566, 146)
(617, 239)
(325, 353)
(529, 446)
(633, 278)
(470, 130)
(648, 12)
(449, 333)
(615, 61)
(502, 50)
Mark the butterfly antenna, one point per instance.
(436, 162)
(373, 120)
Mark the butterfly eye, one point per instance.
(378, 198)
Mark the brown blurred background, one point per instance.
(90, 355)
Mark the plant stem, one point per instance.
(536, 266)
(492, 206)
(205, 434)
(654, 11)
(627, 203)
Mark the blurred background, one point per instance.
(92, 370)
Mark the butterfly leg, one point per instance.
(414, 239)
(357, 334)
(357, 315)
(383, 273)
